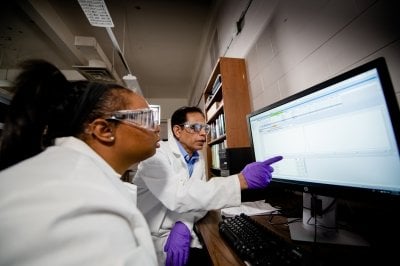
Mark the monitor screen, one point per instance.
(339, 138)
(342, 133)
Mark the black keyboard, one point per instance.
(257, 245)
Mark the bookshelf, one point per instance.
(226, 105)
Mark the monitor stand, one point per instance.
(326, 230)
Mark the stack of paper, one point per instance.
(250, 208)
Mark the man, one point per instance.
(173, 192)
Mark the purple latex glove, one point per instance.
(259, 174)
(178, 245)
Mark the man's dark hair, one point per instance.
(179, 116)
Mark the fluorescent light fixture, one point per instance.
(96, 12)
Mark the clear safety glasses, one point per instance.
(196, 127)
(144, 118)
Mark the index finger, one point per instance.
(273, 160)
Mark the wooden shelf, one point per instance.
(226, 105)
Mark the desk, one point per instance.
(222, 255)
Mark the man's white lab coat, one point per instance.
(167, 194)
(67, 206)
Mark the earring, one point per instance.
(112, 138)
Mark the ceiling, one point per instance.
(161, 41)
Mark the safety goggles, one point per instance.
(144, 118)
(196, 127)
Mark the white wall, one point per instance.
(290, 45)
(307, 42)
(229, 43)
(168, 106)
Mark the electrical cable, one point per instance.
(315, 219)
(242, 16)
(116, 45)
(239, 22)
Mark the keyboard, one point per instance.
(255, 244)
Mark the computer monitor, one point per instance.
(339, 138)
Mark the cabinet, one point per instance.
(227, 103)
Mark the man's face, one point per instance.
(188, 137)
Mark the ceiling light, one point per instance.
(97, 13)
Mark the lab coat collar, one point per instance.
(185, 154)
(80, 146)
(173, 144)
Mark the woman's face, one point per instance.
(135, 143)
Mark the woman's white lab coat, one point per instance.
(167, 194)
(67, 206)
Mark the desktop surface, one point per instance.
(378, 228)
(257, 245)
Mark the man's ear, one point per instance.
(102, 130)
(177, 131)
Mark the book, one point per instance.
(217, 84)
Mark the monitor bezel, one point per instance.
(335, 190)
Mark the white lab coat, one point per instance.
(166, 194)
(67, 206)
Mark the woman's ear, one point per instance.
(102, 130)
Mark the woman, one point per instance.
(63, 150)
